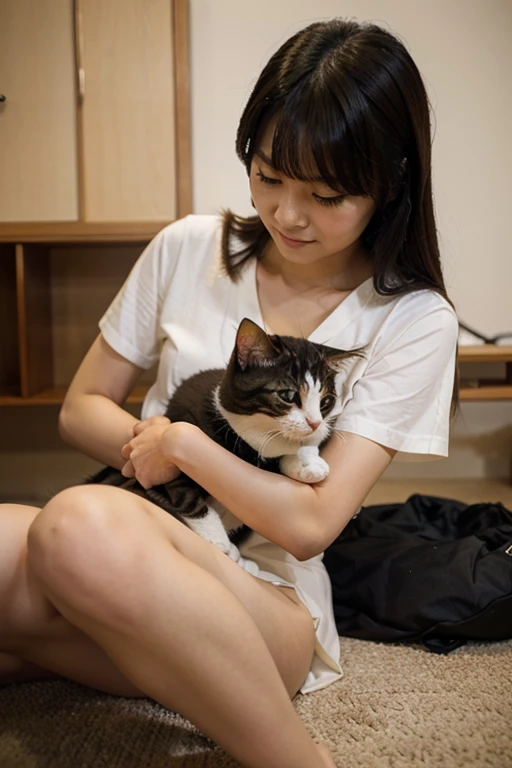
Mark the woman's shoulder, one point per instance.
(418, 314)
(188, 246)
(426, 306)
(192, 228)
(421, 305)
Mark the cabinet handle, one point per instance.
(2, 97)
(79, 50)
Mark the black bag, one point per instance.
(431, 570)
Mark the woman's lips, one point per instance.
(294, 243)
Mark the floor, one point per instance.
(470, 491)
(397, 705)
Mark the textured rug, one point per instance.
(396, 707)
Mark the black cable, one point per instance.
(483, 337)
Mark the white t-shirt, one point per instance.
(177, 307)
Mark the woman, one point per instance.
(111, 591)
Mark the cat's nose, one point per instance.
(313, 424)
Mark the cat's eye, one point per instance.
(327, 402)
(288, 395)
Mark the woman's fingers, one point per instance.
(128, 470)
(140, 426)
(126, 450)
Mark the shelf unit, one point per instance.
(54, 287)
(479, 387)
(40, 280)
(58, 277)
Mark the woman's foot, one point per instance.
(327, 758)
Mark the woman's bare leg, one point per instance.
(28, 619)
(174, 630)
(16, 670)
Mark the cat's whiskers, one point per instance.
(266, 438)
(338, 435)
(223, 426)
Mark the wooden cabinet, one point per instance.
(126, 110)
(52, 295)
(95, 115)
(94, 161)
(38, 136)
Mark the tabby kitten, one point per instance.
(274, 406)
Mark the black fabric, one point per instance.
(430, 570)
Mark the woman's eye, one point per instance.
(288, 395)
(330, 200)
(267, 179)
(327, 402)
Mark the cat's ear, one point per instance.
(253, 345)
(338, 358)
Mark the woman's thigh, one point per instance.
(280, 617)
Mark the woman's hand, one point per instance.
(146, 460)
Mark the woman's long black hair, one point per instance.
(349, 105)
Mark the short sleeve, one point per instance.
(403, 398)
(131, 325)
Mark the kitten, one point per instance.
(274, 406)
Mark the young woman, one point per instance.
(114, 593)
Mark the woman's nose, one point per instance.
(289, 214)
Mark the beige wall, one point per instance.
(462, 48)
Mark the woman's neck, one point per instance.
(331, 272)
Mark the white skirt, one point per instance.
(265, 560)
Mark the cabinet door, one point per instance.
(38, 154)
(127, 111)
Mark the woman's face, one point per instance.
(307, 221)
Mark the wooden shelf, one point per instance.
(467, 490)
(55, 396)
(487, 389)
(485, 353)
(72, 232)
(498, 392)
(477, 354)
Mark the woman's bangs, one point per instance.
(313, 148)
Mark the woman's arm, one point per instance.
(303, 519)
(91, 418)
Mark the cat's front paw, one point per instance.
(314, 472)
(233, 552)
(226, 546)
(306, 466)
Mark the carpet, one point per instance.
(397, 706)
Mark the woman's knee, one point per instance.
(84, 547)
(61, 522)
(75, 538)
